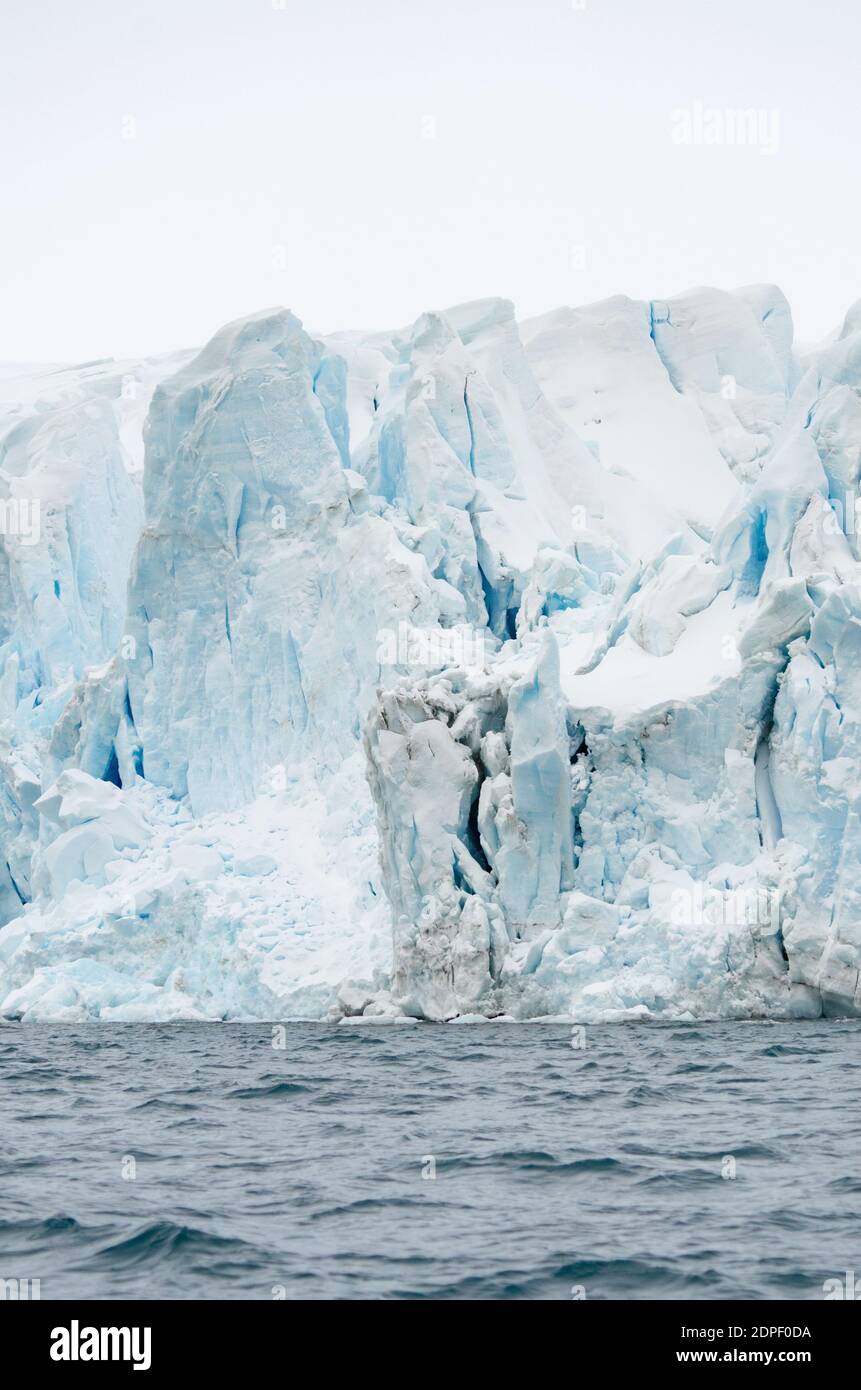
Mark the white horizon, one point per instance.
(168, 170)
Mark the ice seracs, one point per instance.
(474, 669)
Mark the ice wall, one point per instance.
(473, 668)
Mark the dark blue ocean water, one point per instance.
(300, 1170)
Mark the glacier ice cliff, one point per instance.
(481, 668)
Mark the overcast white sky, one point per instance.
(364, 160)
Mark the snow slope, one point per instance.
(473, 668)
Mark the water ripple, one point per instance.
(192, 1161)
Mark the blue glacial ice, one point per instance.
(476, 668)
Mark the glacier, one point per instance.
(482, 669)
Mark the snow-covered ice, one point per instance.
(476, 669)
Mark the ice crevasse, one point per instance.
(480, 669)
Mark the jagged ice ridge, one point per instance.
(480, 669)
